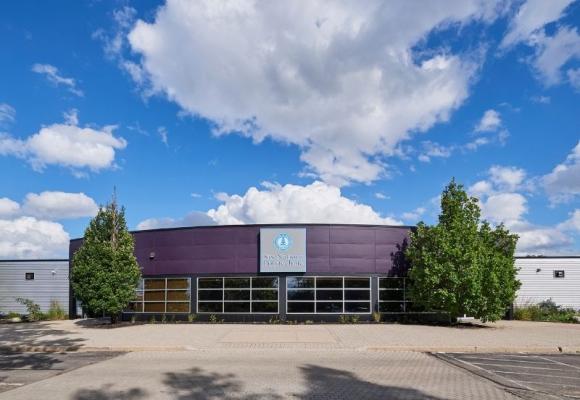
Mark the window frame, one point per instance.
(251, 289)
(29, 276)
(343, 289)
(142, 290)
(404, 302)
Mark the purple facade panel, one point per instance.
(330, 249)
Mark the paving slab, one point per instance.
(250, 374)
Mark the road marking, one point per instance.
(559, 362)
(504, 359)
(519, 366)
(519, 384)
(11, 384)
(542, 375)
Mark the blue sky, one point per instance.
(260, 112)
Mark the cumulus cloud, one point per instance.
(28, 237)
(552, 51)
(317, 202)
(8, 207)
(532, 16)
(66, 144)
(563, 183)
(59, 205)
(7, 114)
(504, 207)
(507, 178)
(338, 79)
(574, 77)
(490, 122)
(275, 204)
(413, 216)
(431, 149)
(51, 73)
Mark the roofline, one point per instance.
(35, 260)
(544, 257)
(179, 228)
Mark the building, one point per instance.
(556, 278)
(42, 281)
(256, 272)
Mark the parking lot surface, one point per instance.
(20, 369)
(255, 374)
(533, 376)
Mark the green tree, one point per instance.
(462, 265)
(105, 272)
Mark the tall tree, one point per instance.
(105, 272)
(462, 265)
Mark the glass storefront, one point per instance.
(162, 295)
(258, 295)
(328, 295)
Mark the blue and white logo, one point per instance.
(283, 242)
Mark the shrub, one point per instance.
(354, 319)
(546, 310)
(274, 320)
(56, 312)
(377, 317)
(32, 309)
(213, 319)
(343, 319)
(191, 317)
(163, 319)
(152, 320)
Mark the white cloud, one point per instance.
(553, 52)
(507, 178)
(532, 16)
(504, 207)
(432, 149)
(338, 79)
(51, 73)
(7, 114)
(381, 196)
(317, 202)
(162, 131)
(195, 218)
(67, 145)
(573, 223)
(28, 237)
(490, 122)
(8, 207)
(195, 195)
(413, 216)
(540, 239)
(574, 77)
(59, 205)
(274, 203)
(480, 189)
(541, 99)
(563, 183)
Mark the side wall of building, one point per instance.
(540, 283)
(51, 282)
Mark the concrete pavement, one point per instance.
(503, 336)
(249, 374)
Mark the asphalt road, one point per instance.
(533, 376)
(250, 374)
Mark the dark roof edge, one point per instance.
(544, 257)
(178, 228)
(34, 260)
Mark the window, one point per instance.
(559, 273)
(393, 295)
(237, 295)
(29, 276)
(162, 295)
(328, 295)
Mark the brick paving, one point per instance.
(248, 374)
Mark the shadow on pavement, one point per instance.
(36, 334)
(105, 393)
(32, 361)
(323, 383)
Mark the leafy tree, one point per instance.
(105, 272)
(462, 265)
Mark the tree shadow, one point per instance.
(106, 393)
(329, 383)
(36, 334)
(195, 384)
(32, 361)
(400, 264)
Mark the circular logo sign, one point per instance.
(283, 242)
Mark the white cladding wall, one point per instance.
(50, 283)
(538, 282)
